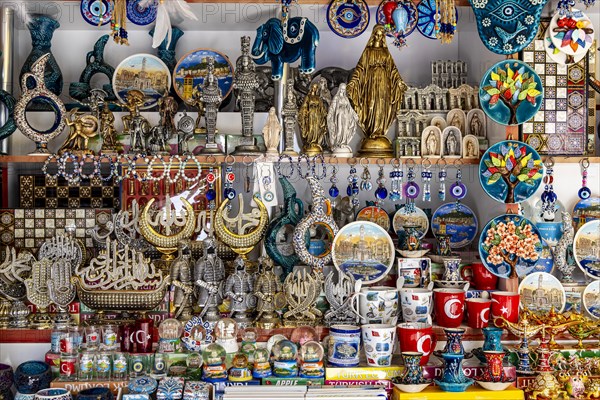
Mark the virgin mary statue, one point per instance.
(375, 90)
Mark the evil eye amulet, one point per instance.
(411, 190)
(458, 190)
(230, 193)
(211, 178)
(230, 177)
(269, 196)
(584, 193)
(211, 194)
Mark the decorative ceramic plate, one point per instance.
(510, 244)
(374, 214)
(591, 299)
(573, 34)
(456, 220)
(139, 15)
(96, 12)
(511, 171)
(556, 55)
(348, 18)
(142, 384)
(190, 71)
(540, 291)
(402, 218)
(586, 248)
(585, 211)
(196, 333)
(365, 250)
(143, 72)
(427, 17)
(546, 261)
(411, 13)
(511, 92)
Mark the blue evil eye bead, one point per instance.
(411, 190)
(381, 193)
(548, 197)
(458, 190)
(230, 193)
(334, 191)
(211, 194)
(394, 196)
(584, 193)
(96, 12)
(269, 196)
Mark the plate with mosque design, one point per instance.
(541, 291)
(364, 250)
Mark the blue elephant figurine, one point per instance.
(286, 42)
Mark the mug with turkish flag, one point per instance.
(506, 305)
(417, 336)
(478, 312)
(479, 276)
(449, 305)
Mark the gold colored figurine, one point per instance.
(108, 133)
(312, 119)
(199, 105)
(376, 90)
(81, 129)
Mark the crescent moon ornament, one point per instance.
(421, 344)
(448, 308)
(483, 317)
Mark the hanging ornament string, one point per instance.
(211, 178)
(548, 196)
(458, 190)
(585, 192)
(426, 176)
(333, 190)
(411, 188)
(323, 172)
(442, 176)
(365, 183)
(249, 178)
(396, 176)
(266, 182)
(353, 189)
(308, 166)
(278, 166)
(229, 191)
(118, 23)
(447, 21)
(381, 192)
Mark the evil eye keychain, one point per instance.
(211, 178)
(396, 176)
(248, 178)
(411, 188)
(381, 192)
(585, 192)
(442, 176)
(352, 190)
(426, 176)
(365, 183)
(229, 191)
(333, 190)
(458, 190)
(548, 196)
(266, 182)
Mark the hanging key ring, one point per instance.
(444, 164)
(395, 162)
(352, 161)
(362, 160)
(300, 158)
(247, 163)
(382, 162)
(229, 163)
(426, 163)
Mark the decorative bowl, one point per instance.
(413, 253)
(143, 385)
(452, 284)
(96, 393)
(454, 387)
(53, 394)
(32, 376)
(494, 386)
(6, 377)
(412, 388)
(23, 396)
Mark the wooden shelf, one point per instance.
(459, 3)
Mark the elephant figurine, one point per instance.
(285, 42)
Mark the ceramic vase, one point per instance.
(492, 339)
(451, 269)
(6, 377)
(453, 377)
(41, 28)
(413, 372)
(454, 343)
(494, 371)
(53, 394)
(32, 376)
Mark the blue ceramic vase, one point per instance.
(97, 393)
(41, 28)
(167, 53)
(453, 377)
(32, 376)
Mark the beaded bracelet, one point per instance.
(119, 174)
(111, 165)
(323, 167)
(278, 166)
(170, 167)
(96, 170)
(183, 165)
(74, 176)
(149, 175)
(300, 157)
(58, 166)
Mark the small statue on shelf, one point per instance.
(341, 123)
(271, 132)
(181, 282)
(167, 108)
(431, 142)
(269, 295)
(475, 126)
(239, 288)
(185, 132)
(562, 247)
(470, 147)
(108, 133)
(211, 97)
(289, 113)
(324, 91)
(134, 124)
(196, 103)
(81, 129)
(209, 276)
(312, 118)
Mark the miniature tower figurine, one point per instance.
(211, 97)
(289, 114)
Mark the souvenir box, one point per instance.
(197, 390)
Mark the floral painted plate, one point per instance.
(510, 245)
(511, 92)
(348, 18)
(403, 217)
(190, 71)
(540, 291)
(456, 220)
(591, 299)
(572, 34)
(143, 72)
(511, 171)
(585, 211)
(586, 248)
(196, 333)
(365, 250)
(141, 15)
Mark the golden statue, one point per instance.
(312, 118)
(81, 129)
(375, 90)
(108, 133)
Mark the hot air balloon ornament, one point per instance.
(399, 17)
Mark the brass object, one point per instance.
(134, 124)
(554, 323)
(108, 133)
(248, 233)
(167, 243)
(375, 90)
(312, 118)
(583, 329)
(81, 129)
(302, 290)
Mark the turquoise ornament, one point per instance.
(9, 126)
(282, 253)
(95, 64)
(167, 53)
(507, 26)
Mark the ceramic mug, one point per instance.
(479, 276)
(449, 307)
(376, 305)
(53, 394)
(417, 337)
(414, 271)
(416, 305)
(478, 312)
(505, 304)
(378, 342)
(343, 349)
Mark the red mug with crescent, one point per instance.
(68, 365)
(479, 276)
(142, 335)
(449, 305)
(478, 313)
(417, 336)
(506, 305)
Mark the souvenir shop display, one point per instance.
(206, 249)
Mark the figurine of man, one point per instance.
(134, 125)
(271, 132)
(108, 133)
(239, 287)
(209, 275)
(268, 291)
(341, 123)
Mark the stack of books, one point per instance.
(305, 393)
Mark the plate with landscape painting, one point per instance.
(586, 248)
(591, 299)
(586, 210)
(191, 70)
(143, 72)
(540, 291)
(365, 250)
(403, 217)
(456, 220)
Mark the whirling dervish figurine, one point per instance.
(312, 119)
(209, 276)
(239, 287)
(271, 132)
(211, 97)
(341, 123)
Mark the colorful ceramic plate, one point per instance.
(348, 18)
(511, 92)
(510, 245)
(96, 12)
(556, 55)
(511, 171)
(141, 16)
(402, 218)
(456, 220)
(427, 18)
(411, 14)
(196, 333)
(142, 384)
(374, 214)
(586, 248)
(365, 250)
(190, 71)
(540, 291)
(585, 211)
(591, 299)
(573, 34)
(546, 260)
(143, 72)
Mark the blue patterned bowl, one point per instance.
(53, 394)
(32, 376)
(6, 377)
(97, 393)
(143, 385)
(23, 396)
